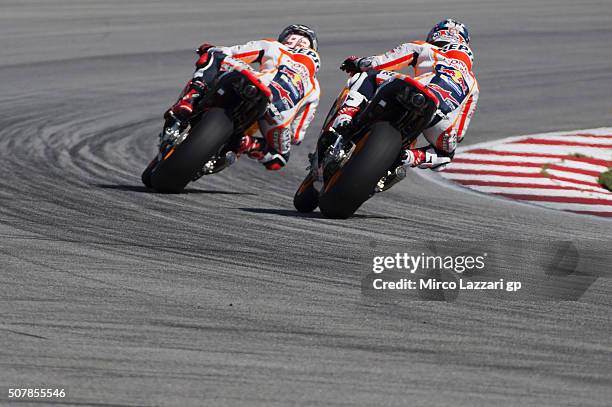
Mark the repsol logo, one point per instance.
(311, 53)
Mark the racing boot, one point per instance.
(178, 116)
(183, 109)
(217, 164)
(255, 147)
(426, 157)
(273, 160)
(251, 146)
(343, 121)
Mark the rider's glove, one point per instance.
(351, 65)
(203, 48)
(203, 53)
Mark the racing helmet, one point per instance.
(449, 31)
(302, 30)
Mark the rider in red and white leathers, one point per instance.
(288, 67)
(444, 65)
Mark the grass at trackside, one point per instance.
(580, 155)
(605, 179)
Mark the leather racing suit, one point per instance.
(290, 73)
(446, 71)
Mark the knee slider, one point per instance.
(447, 142)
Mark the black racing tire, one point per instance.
(354, 183)
(146, 174)
(181, 165)
(306, 198)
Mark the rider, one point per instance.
(444, 64)
(287, 65)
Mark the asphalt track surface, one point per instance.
(225, 295)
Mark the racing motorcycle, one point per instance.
(347, 169)
(207, 145)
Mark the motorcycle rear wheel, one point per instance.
(354, 183)
(146, 174)
(181, 164)
(306, 198)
